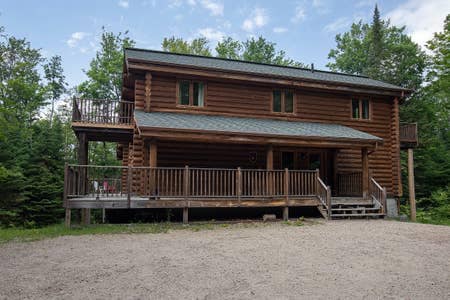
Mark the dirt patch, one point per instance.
(337, 259)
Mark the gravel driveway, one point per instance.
(336, 259)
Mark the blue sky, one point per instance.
(304, 29)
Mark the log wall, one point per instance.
(255, 101)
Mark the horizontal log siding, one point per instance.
(196, 155)
(254, 100)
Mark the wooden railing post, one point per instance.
(329, 202)
(129, 179)
(317, 182)
(239, 185)
(384, 201)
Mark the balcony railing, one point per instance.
(101, 111)
(408, 133)
(114, 182)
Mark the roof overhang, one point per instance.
(187, 127)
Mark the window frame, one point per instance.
(191, 94)
(283, 101)
(360, 100)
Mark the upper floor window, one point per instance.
(361, 109)
(191, 93)
(283, 101)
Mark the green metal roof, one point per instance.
(254, 68)
(241, 125)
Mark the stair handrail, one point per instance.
(378, 194)
(324, 191)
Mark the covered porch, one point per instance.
(186, 161)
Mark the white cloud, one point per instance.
(337, 25)
(191, 2)
(280, 29)
(75, 38)
(421, 18)
(214, 7)
(299, 14)
(175, 3)
(257, 19)
(321, 7)
(123, 3)
(211, 34)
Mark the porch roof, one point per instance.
(250, 126)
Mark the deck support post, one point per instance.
(285, 213)
(185, 215)
(83, 148)
(365, 172)
(68, 217)
(412, 191)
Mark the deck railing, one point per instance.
(408, 133)
(349, 184)
(104, 182)
(102, 111)
(378, 194)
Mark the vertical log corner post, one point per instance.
(412, 191)
(65, 196)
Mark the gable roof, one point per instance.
(214, 63)
(241, 125)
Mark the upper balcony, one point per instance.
(408, 135)
(103, 119)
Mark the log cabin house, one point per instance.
(194, 131)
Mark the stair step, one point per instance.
(358, 215)
(352, 203)
(355, 208)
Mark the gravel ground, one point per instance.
(337, 260)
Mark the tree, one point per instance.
(256, 50)
(262, 51)
(105, 70)
(376, 50)
(30, 167)
(430, 108)
(56, 84)
(380, 51)
(229, 48)
(198, 46)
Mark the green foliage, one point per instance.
(198, 46)
(30, 150)
(256, 50)
(380, 51)
(56, 84)
(105, 70)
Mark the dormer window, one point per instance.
(283, 101)
(191, 93)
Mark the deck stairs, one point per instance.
(353, 208)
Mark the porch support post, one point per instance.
(153, 163)
(83, 148)
(286, 195)
(269, 157)
(153, 154)
(412, 191)
(365, 172)
(269, 167)
(185, 215)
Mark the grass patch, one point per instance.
(26, 235)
